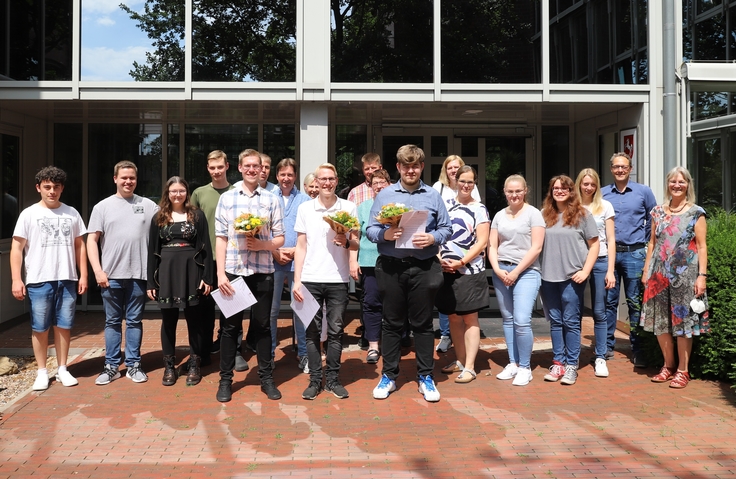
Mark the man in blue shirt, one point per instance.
(633, 203)
(408, 279)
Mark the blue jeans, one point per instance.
(300, 332)
(53, 303)
(564, 306)
(629, 266)
(444, 325)
(598, 302)
(123, 298)
(516, 303)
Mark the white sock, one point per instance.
(42, 371)
(62, 368)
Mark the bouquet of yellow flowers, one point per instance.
(249, 224)
(342, 222)
(391, 213)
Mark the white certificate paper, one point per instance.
(305, 310)
(412, 222)
(230, 305)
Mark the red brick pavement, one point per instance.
(621, 426)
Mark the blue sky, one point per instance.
(110, 40)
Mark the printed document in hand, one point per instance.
(306, 309)
(243, 298)
(412, 222)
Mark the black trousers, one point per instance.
(169, 321)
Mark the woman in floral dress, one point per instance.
(674, 274)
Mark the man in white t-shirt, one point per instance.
(322, 266)
(49, 233)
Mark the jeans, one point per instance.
(123, 298)
(516, 303)
(629, 266)
(53, 303)
(598, 301)
(407, 290)
(564, 305)
(300, 332)
(334, 300)
(444, 325)
(261, 285)
(371, 305)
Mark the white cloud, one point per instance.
(105, 21)
(107, 64)
(106, 7)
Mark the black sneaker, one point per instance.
(240, 363)
(639, 360)
(337, 389)
(224, 392)
(215, 346)
(312, 390)
(271, 391)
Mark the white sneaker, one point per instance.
(601, 368)
(428, 389)
(65, 378)
(523, 377)
(41, 383)
(384, 388)
(509, 372)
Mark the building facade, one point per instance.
(513, 86)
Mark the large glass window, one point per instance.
(490, 41)
(68, 156)
(279, 142)
(9, 168)
(505, 156)
(381, 41)
(555, 154)
(244, 41)
(350, 146)
(36, 40)
(132, 40)
(598, 42)
(709, 172)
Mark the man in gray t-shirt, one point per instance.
(120, 225)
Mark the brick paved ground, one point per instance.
(622, 426)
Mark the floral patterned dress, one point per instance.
(673, 270)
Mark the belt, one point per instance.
(409, 260)
(507, 263)
(176, 245)
(621, 248)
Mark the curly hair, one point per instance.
(52, 174)
(165, 208)
(574, 212)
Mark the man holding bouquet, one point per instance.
(321, 266)
(247, 254)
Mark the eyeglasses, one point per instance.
(327, 180)
(620, 167)
(379, 183)
(514, 193)
(678, 183)
(556, 188)
(251, 167)
(463, 182)
(177, 192)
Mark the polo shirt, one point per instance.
(633, 207)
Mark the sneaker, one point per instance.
(444, 344)
(601, 368)
(556, 371)
(384, 388)
(428, 389)
(215, 346)
(571, 375)
(523, 377)
(271, 390)
(65, 378)
(337, 389)
(304, 364)
(312, 390)
(108, 375)
(609, 355)
(41, 383)
(136, 374)
(509, 372)
(240, 363)
(224, 391)
(639, 360)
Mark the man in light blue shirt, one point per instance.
(632, 203)
(408, 279)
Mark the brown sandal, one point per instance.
(680, 380)
(664, 375)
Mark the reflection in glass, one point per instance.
(489, 41)
(68, 156)
(555, 153)
(200, 140)
(244, 41)
(505, 156)
(710, 104)
(439, 146)
(351, 143)
(36, 40)
(9, 168)
(710, 172)
(279, 142)
(381, 41)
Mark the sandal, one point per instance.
(372, 356)
(453, 367)
(463, 378)
(680, 380)
(664, 375)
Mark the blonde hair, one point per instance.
(309, 179)
(444, 179)
(596, 205)
(518, 179)
(326, 166)
(690, 196)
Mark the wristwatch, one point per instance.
(347, 244)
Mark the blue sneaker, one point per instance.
(384, 388)
(428, 389)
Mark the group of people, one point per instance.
(177, 252)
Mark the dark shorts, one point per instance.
(463, 293)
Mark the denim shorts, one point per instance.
(52, 304)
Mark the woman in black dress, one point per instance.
(180, 271)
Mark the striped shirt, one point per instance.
(238, 260)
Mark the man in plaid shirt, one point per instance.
(362, 192)
(248, 257)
